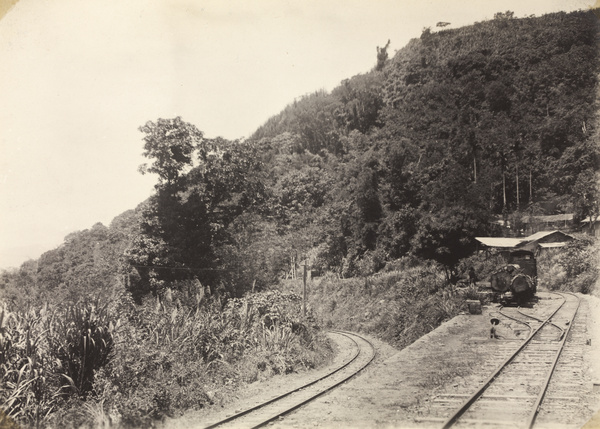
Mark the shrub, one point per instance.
(79, 365)
(30, 388)
(571, 268)
(483, 264)
(46, 355)
(169, 358)
(81, 338)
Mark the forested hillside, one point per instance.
(413, 158)
(409, 161)
(493, 119)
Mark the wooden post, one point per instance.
(304, 291)
(503, 189)
(518, 199)
(530, 187)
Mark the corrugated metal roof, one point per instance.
(549, 245)
(541, 234)
(509, 242)
(499, 241)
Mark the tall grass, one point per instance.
(48, 355)
(82, 339)
(29, 389)
(81, 365)
(170, 358)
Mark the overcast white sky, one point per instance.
(80, 77)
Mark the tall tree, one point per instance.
(186, 221)
(170, 143)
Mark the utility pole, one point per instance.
(518, 199)
(304, 291)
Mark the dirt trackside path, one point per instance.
(398, 391)
(391, 393)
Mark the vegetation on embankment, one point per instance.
(573, 268)
(121, 364)
(398, 305)
(410, 298)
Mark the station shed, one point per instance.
(536, 243)
(497, 245)
(544, 240)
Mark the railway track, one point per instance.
(275, 408)
(534, 377)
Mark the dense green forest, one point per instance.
(415, 157)
(409, 161)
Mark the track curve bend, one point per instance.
(276, 408)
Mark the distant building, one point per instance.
(498, 243)
(536, 243)
(545, 240)
(534, 224)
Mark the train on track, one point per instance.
(516, 281)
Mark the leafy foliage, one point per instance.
(82, 339)
(412, 158)
(48, 355)
(185, 223)
(171, 143)
(399, 305)
(460, 125)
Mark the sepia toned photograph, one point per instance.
(300, 214)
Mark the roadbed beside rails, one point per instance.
(400, 388)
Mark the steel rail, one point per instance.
(516, 320)
(562, 331)
(542, 320)
(536, 409)
(465, 406)
(526, 315)
(330, 388)
(304, 386)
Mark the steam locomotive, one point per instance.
(516, 282)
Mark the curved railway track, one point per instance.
(516, 392)
(275, 408)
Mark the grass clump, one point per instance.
(170, 359)
(48, 358)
